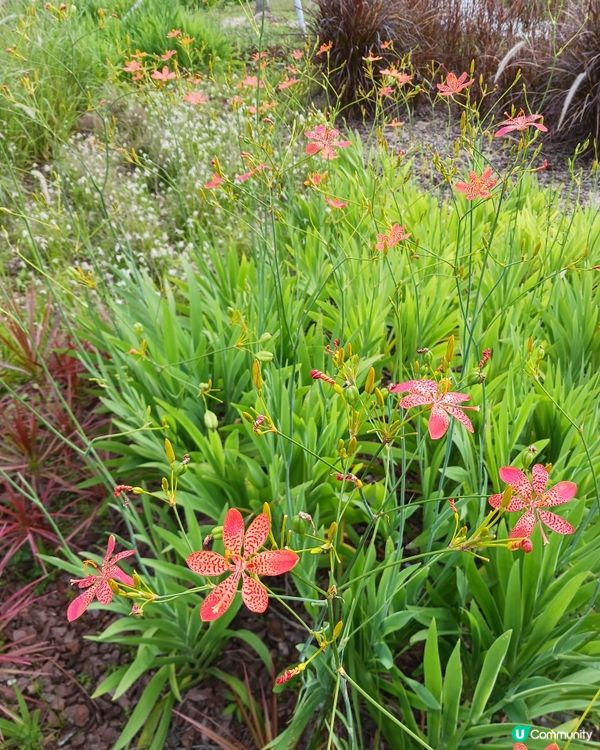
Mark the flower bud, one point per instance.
(370, 381)
(527, 546)
(379, 397)
(256, 375)
(169, 452)
(352, 394)
(211, 422)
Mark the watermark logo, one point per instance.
(521, 733)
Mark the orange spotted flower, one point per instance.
(478, 186)
(533, 495)
(442, 402)
(325, 142)
(247, 565)
(520, 122)
(97, 586)
(454, 84)
(395, 235)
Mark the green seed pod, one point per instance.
(211, 421)
(352, 394)
(264, 356)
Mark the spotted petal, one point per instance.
(78, 606)
(561, 493)
(517, 480)
(119, 575)
(233, 531)
(438, 423)
(257, 534)
(207, 563)
(556, 523)
(539, 478)
(254, 594)
(104, 593)
(524, 526)
(415, 399)
(273, 563)
(422, 387)
(110, 546)
(458, 413)
(452, 397)
(220, 598)
(122, 555)
(516, 502)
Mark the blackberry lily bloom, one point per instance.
(520, 122)
(325, 142)
(97, 585)
(244, 565)
(532, 495)
(443, 403)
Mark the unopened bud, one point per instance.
(370, 381)
(169, 452)
(256, 375)
(211, 421)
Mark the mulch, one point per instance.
(67, 673)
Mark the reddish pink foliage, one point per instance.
(443, 403)
(98, 585)
(243, 561)
(478, 186)
(531, 495)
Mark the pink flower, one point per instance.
(97, 585)
(478, 186)
(400, 78)
(164, 75)
(532, 495)
(454, 85)
(442, 402)
(336, 203)
(315, 178)
(325, 141)
(286, 83)
(372, 58)
(133, 66)
(318, 375)
(247, 565)
(119, 489)
(168, 55)
(251, 82)
(324, 48)
(195, 97)
(215, 181)
(385, 91)
(395, 235)
(297, 54)
(520, 122)
(174, 33)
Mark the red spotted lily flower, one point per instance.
(195, 97)
(400, 78)
(97, 586)
(532, 496)
(133, 66)
(287, 82)
(215, 181)
(168, 55)
(247, 565)
(163, 75)
(336, 202)
(324, 48)
(394, 237)
(478, 186)
(520, 122)
(443, 403)
(324, 141)
(454, 84)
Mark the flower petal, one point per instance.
(257, 534)
(233, 531)
(438, 423)
(516, 502)
(273, 562)
(458, 414)
(560, 493)
(122, 555)
(110, 547)
(104, 593)
(556, 523)
(524, 526)
(254, 594)
(415, 399)
(539, 478)
(220, 598)
(512, 476)
(119, 575)
(78, 606)
(207, 563)
(452, 397)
